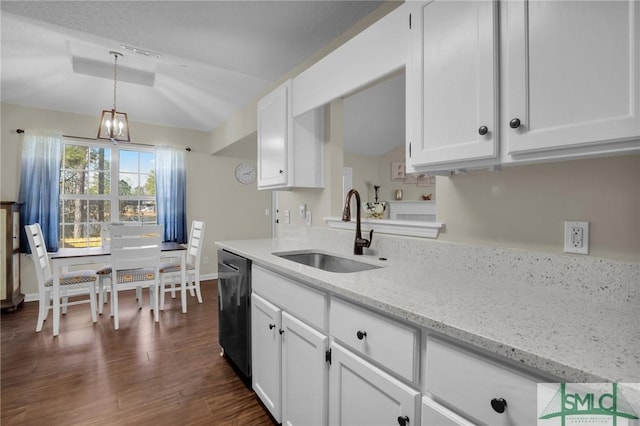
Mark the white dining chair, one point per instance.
(104, 272)
(135, 262)
(170, 273)
(79, 282)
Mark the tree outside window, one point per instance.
(137, 187)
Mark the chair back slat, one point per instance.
(105, 234)
(135, 247)
(194, 251)
(39, 253)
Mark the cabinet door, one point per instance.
(304, 374)
(16, 230)
(470, 384)
(572, 73)
(452, 83)
(361, 394)
(4, 254)
(273, 137)
(266, 353)
(434, 414)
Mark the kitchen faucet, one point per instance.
(346, 217)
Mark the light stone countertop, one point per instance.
(541, 311)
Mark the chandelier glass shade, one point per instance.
(114, 124)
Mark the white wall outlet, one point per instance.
(576, 237)
(287, 216)
(266, 212)
(205, 260)
(303, 211)
(308, 218)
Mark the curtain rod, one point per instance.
(19, 131)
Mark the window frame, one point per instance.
(114, 197)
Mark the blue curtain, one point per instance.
(40, 185)
(171, 193)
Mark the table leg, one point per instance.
(183, 277)
(56, 299)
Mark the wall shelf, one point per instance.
(410, 228)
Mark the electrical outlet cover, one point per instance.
(576, 237)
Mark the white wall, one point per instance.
(231, 210)
(526, 206)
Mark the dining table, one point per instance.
(70, 256)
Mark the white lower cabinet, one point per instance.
(266, 354)
(477, 388)
(288, 360)
(376, 366)
(304, 374)
(362, 394)
(391, 344)
(289, 372)
(434, 414)
(289, 346)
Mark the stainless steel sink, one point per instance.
(327, 262)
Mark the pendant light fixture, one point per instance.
(114, 125)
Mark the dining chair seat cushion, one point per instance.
(135, 275)
(174, 267)
(74, 277)
(105, 270)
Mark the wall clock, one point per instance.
(245, 173)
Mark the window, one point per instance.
(88, 199)
(137, 187)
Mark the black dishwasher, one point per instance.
(234, 310)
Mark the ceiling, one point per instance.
(214, 56)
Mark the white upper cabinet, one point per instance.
(273, 137)
(572, 77)
(289, 150)
(452, 84)
(548, 80)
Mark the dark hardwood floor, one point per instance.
(169, 373)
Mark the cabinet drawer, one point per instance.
(391, 344)
(297, 299)
(467, 383)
